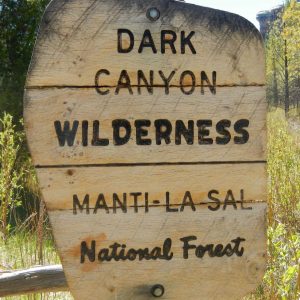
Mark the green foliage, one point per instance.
(21, 252)
(275, 65)
(43, 296)
(19, 20)
(284, 255)
(291, 33)
(284, 172)
(11, 171)
(282, 278)
(283, 57)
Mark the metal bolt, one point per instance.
(153, 14)
(157, 290)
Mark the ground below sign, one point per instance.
(146, 121)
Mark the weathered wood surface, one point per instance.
(193, 190)
(77, 38)
(155, 180)
(71, 104)
(196, 278)
(33, 280)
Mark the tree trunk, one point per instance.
(275, 84)
(286, 81)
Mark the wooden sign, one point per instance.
(146, 121)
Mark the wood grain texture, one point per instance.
(77, 38)
(156, 180)
(206, 278)
(33, 280)
(71, 104)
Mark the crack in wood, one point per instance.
(149, 164)
(222, 202)
(34, 87)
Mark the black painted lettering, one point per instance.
(117, 126)
(142, 132)
(167, 254)
(166, 80)
(143, 254)
(163, 131)
(147, 42)
(85, 133)
(135, 201)
(187, 84)
(101, 204)
(228, 250)
(89, 252)
(103, 255)
(81, 206)
(119, 252)
(114, 252)
(203, 132)
(124, 83)
(155, 252)
(210, 250)
(146, 202)
(214, 199)
(117, 203)
(131, 254)
(66, 134)
(239, 128)
(97, 83)
(201, 250)
(125, 47)
(186, 41)
(122, 253)
(242, 201)
(97, 141)
(229, 200)
(143, 82)
(187, 201)
(168, 205)
(206, 82)
(168, 37)
(186, 132)
(221, 129)
(218, 251)
(239, 252)
(186, 246)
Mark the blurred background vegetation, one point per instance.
(26, 238)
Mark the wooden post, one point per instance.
(34, 280)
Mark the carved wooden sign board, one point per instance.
(146, 121)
